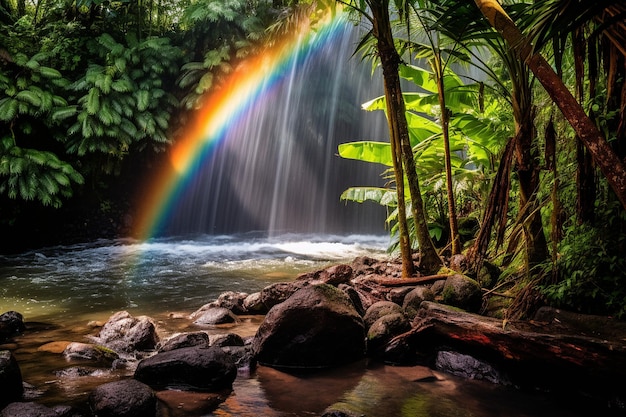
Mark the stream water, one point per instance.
(62, 291)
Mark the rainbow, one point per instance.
(221, 111)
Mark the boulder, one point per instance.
(462, 292)
(225, 339)
(253, 304)
(316, 327)
(384, 329)
(354, 296)
(379, 309)
(467, 367)
(126, 398)
(125, 333)
(231, 300)
(277, 293)
(334, 275)
(182, 340)
(414, 298)
(199, 368)
(11, 323)
(27, 409)
(89, 352)
(10, 379)
(212, 316)
(396, 295)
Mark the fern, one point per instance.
(93, 101)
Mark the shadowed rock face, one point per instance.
(199, 368)
(316, 327)
(128, 398)
(10, 379)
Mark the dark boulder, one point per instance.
(226, 339)
(11, 323)
(277, 293)
(467, 367)
(254, 305)
(27, 409)
(10, 379)
(211, 316)
(183, 340)
(125, 333)
(384, 329)
(316, 327)
(200, 368)
(379, 309)
(334, 275)
(462, 292)
(414, 298)
(127, 398)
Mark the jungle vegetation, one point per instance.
(507, 130)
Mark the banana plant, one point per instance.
(473, 139)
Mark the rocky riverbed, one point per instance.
(326, 319)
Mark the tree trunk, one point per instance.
(445, 118)
(602, 153)
(390, 60)
(399, 132)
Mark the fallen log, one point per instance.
(534, 355)
(402, 282)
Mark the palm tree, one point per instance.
(402, 152)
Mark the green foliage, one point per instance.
(30, 174)
(591, 267)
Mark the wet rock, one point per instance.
(226, 339)
(437, 287)
(127, 398)
(384, 329)
(254, 305)
(11, 323)
(213, 316)
(379, 309)
(125, 333)
(413, 299)
(354, 296)
(183, 340)
(467, 367)
(242, 357)
(462, 292)
(89, 352)
(316, 327)
(396, 295)
(334, 275)
(10, 379)
(75, 372)
(363, 265)
(27, 409)
(196, 368)
(231, 300)
(341, 413)
(279, 292)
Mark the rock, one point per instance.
(397, 294)
(340, 413)
(126, 398)
(125, 333)
(11, 323)
(462, 292)
(213, 316)
(413, 299)
(277, 293)
(233, 301)
(183, 340)
(226, 339)
(197, 368)
(316, 327)
(458, 263)
(75, 372)
(363, 265)
(27, 409)
(467, 366)
(384, 329)
(54, 347)
(242, 357)
(89, 352)
(334, 275)
(253, 304)
(354, 296)
(437, 287)
(10, 379)
(379, 309)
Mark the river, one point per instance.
(63, 291)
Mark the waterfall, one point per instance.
(277, 169)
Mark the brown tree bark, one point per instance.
(399, 132)
(602, 153)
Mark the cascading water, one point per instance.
(276, 170)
